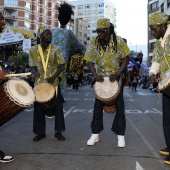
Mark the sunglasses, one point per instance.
(101, 31)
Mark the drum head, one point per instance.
(106, 89)
(44, 92)
(165, 80)
(20, 92)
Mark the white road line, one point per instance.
(29, 110)
(86, 94)
(69, 111)
(128, 94)
(157, 111)
(146, 142)
(138, 166)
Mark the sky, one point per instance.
(132, 20)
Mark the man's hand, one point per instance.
(99, 78)
(113, 77)
(153, 79)
(3, 72)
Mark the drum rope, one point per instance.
(45, 63)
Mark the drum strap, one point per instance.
(45, 63)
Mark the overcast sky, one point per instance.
(132, 20)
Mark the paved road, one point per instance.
(144, 137)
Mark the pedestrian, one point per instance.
(160, 28)
(66, 40)
(135, 81)
(54, 65)
(105, 51)
(75, 79)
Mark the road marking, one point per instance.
(138, 166)
(86, 94)
(157, 111)
(145, 141)
(80, 110)
(69, 111)
(29, 110)
(128, 94)
(134, 111)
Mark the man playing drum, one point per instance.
(105, 51)
(3, 72)
(159, 25)
(52, 67)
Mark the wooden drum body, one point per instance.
(15, 96)
(107, 92)
(164, 83)
(46, 96)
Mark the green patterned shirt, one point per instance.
(55, 59)
(108, 61)
(162, 55)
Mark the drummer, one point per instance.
(105, 51)
(159, 25)
(3, 158)
(54, 67)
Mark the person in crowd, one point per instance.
(135, 81)
(3, 158)
(160, 28)
(54, 66)
(105, 51)
(66, 40)
(75, 79)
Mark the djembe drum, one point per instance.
(164, 83)
(46, 95)
(107, 92)
(15, 96)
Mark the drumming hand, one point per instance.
(99, 78)
(153, 79)
(3, 72)
(113, 77)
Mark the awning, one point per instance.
(25, 33)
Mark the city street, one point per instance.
(144, 137)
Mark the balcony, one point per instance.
(11, 18)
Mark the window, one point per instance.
(46, 3)
(101, 11)
(81, 27)
(27, 15)
(80, 33)
(27, 5)
(168, 3)
(101, 4)
(38, 1)
(45, 12)
(38, 9)
(87, 6)
(154, 6)
(152, 46)
(38, 19)
(80, 6)
(27, 25)
(80, 13)
(87, 12)
(162, 7)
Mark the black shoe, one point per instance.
(39, 137)
(164, 151)
(59, 136)
(167, 160)
(6, 159)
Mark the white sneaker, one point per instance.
(93, 139)
(121, 141)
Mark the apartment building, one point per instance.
(91, 11)
(30, 14)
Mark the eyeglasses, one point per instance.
(101, 31)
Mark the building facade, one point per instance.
(30, 14)
(91, 11)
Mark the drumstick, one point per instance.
(20, 74)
